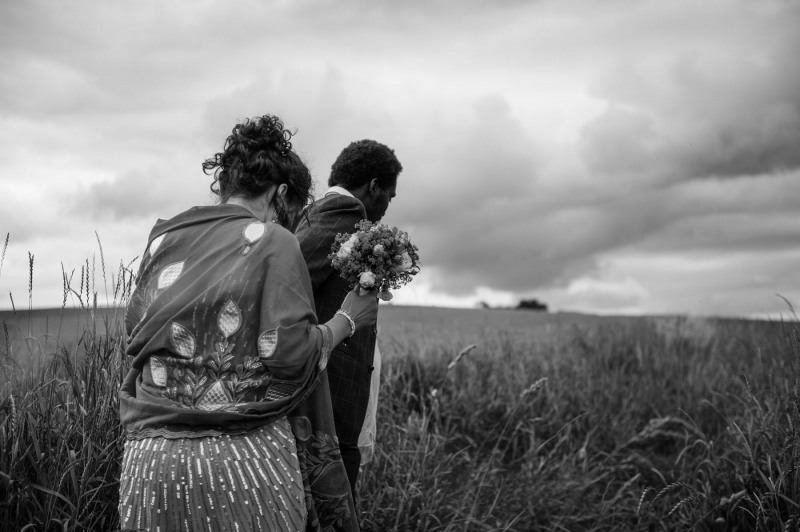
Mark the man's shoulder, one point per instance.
(332, 214)
(318, 229)
(337, 204)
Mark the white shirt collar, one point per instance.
(336, 189)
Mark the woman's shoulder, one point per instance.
(281, 241)
(201, 215)
(280, 234)
(282, 250)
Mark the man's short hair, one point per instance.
(363, 161)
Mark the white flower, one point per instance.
(367, 279)
(378, 249)
(347, 247)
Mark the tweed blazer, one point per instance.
(350, 365)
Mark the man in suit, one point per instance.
(362, 184)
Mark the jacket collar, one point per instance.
(336, 189)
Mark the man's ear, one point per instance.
(374, 187)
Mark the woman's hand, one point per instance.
(362, 305)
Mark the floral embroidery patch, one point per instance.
(183, 341)
(155, 244)
(279, 390)
(229, 318)
(254, 231)
(169, 275)
(204, 372)
(158, 371)
(216, 397)
(267, 342)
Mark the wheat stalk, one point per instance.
(64, 286)
(533, 388)
(102, 265)
(642, 498)
(13, 404)
(3, 254)
(461, 355)
(680, 503)
(30, 293)
(7, 338)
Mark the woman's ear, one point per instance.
(282, 189)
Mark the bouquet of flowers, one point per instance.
(376, 255)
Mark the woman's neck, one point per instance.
(259, 206)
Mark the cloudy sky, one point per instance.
(609, 157)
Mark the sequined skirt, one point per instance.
(238, 483)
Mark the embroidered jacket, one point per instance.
(221, 327)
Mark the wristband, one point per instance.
(349, 318)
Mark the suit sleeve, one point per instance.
(316, 237)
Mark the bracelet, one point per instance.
(349, 318)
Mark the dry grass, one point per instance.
(647, 424)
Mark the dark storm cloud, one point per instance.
(484, 213)
(692, 116)
(469, 196)
(755, 213)
(701, 113)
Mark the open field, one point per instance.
(552, 422)
(30, 335)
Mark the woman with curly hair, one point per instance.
(225, 343)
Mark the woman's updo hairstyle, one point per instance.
(258, 154)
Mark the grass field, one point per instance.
(551, 422)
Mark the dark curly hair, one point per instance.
(257, 154)
(362, 161)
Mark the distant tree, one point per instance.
(532, 304)
(483, 304)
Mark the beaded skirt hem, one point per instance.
(230, 482)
